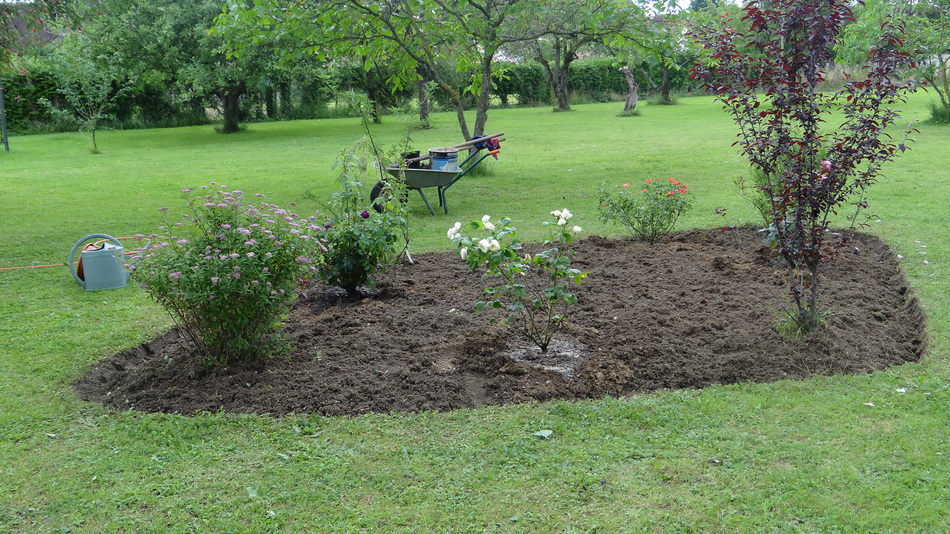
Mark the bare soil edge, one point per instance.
(698, 309)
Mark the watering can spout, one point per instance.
(100, 264)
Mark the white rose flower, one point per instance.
(566, 214)
(486, 218)
(556, 213)
(463, 252)
(577, 229)
(490, 227)
(562, 221)
(483, 245)
(454, 231)
(494, 246)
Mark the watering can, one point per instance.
(100, 264)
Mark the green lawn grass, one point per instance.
(805, 456)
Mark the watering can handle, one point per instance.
(72, 253)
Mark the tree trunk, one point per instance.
(375, 111)
(3, 122)
(941, 75)
(665, 86)
(230, 102)
(633, 90)
(562, 81)
(424, 105)
(484, 94)
(459, 108)
(558, 73)
(560, 96)
(285, 102)
(372, 90)
(270, 101)
(558, 76)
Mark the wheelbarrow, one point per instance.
(443, 172)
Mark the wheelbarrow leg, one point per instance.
(424, 199)
(442, 201)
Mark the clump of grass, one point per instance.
(939, 114)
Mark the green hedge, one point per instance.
(525, 80)
(305, 94)
(21, 94)
(597, 78)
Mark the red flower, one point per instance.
(671, 193)
(649, 180)
(625, 185)
(644, 190)
(683, 189)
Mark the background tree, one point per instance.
(414, 42)
(488, 26)
(701, 5)
(90, 84)
(167, 42)
(419, 38)
(665, 52)
(567, 29)
(656, 48)
(23, 25)
(371, 76)
(927, 34)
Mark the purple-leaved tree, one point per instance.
(767, 69)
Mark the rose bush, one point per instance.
(649, 212)
(535, 288)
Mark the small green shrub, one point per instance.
(939, 114)
(755, 189)
(360, 241)
(229, 271)
(658, 101)
(650, 212)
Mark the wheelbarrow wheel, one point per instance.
(376, 192)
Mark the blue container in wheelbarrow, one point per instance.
(441, 179)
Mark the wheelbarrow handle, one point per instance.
(472, 142)
(481, 139)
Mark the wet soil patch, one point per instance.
(698, 309)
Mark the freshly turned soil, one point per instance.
(700, 308)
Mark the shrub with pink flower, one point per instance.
(227, 293)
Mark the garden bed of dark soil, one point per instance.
(700, 308)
